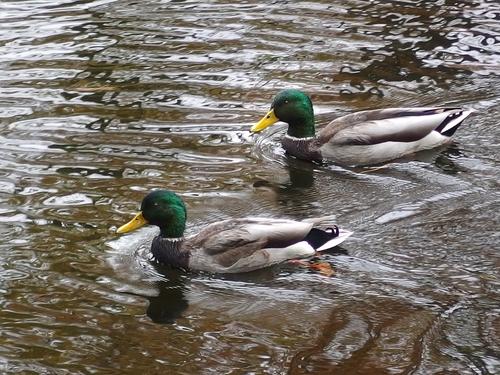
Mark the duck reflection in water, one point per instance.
(173, 291)
(301, 178)
(171, 301)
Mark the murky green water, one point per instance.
(101, 101)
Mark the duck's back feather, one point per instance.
(372, 137)
(391, 125)
(247, 244)
(219, 236)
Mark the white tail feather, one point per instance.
(457, 121)
(343, 235)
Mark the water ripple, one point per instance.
(102, 101)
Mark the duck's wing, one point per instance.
(247, 244)
(392, 125)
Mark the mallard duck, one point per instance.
(229, 246)
(362, 138)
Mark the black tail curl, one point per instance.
(318, 237)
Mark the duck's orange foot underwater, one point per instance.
(324, 268)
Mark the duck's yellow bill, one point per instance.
(137, 222)
(266, 121)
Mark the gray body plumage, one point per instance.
(377, 136)
(241, 245)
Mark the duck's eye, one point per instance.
(286, 101)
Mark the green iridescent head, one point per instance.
(293, 107)
(162, 208)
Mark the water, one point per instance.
(102, 101)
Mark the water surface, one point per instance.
(102, 101)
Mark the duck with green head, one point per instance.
(229, 246)
(363, 138)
